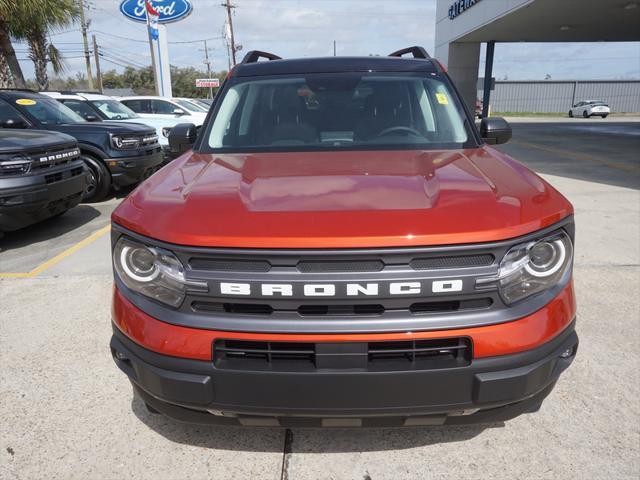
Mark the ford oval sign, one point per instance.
(169, 10)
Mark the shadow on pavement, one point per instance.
(309, 440)
(50, 228)
(602, 152)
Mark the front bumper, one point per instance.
(130, 170)
(488, 390)
(28, 199)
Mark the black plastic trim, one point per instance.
(486, 384)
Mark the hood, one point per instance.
(341, 199)
(105, 127)
(23, 141)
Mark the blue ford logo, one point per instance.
(169, 10)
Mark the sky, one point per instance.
(295, 28)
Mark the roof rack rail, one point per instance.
(79, 91)
(418, 52)
(254, 55)
(19, 89)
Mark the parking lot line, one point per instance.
(58, 258)
(579, 156)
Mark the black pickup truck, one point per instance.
(117, 154)
(41, 176)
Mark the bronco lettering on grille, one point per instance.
(348, 289)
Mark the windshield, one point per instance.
(114, 110)
(51, 112)
(192, 107)
(339, 111)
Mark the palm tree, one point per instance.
(33, 20)
(10, 71)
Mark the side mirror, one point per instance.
(181, 138)
(91, 118)
(495, 130)
(13, 123)
(178, 111)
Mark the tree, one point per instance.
(10, 71)
(33, 20)
(140, 80)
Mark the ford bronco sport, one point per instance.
(41, 176)
(116, 154)
(342, 247)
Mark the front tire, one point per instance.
(570, 113)
(605, 115)
(99, 180)
(585, 114)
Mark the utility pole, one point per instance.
(229, 6)
(85, 41)
(208, 64)
(97, 59)
(334, 48)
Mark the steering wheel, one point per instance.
(118, 117)
(399, 129)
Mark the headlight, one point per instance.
(166, 131)
(125, 142)
(533, 267)
(14, 165)
(153, 272)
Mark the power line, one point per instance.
(147, 41)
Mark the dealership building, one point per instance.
(463, 25)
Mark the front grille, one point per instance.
(373, 356)
(458, 261)
(53, 158)
(419, 263)
(54, 177)
(333, 266)
(58, 176)
(226, 265)
(341, 309)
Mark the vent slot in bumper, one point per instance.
(375, 356)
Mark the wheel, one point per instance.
(605, 115)
(571, 113)
(585, 114)
(99, 179)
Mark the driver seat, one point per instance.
(386, 108)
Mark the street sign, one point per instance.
(207, 82)
(168, 10)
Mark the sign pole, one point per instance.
(149, 11)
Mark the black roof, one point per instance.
(20, 93)
(335, 65)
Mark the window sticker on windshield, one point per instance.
(442, 99)
(25, 101)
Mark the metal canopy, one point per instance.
(563, 21)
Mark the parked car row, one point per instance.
(60, 148)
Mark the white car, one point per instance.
(96, 107)
(177, 108)
(590, 108)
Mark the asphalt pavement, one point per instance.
(68, 412)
